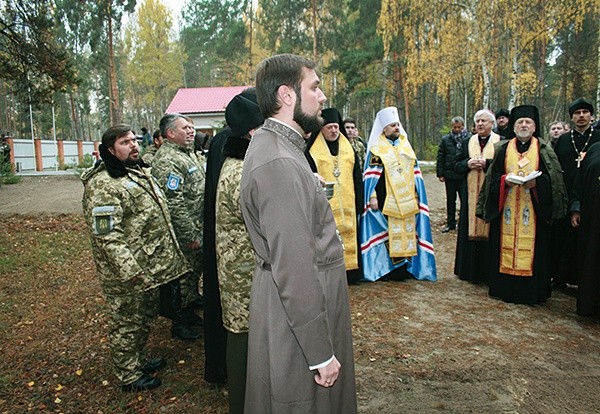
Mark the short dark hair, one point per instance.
(166, 123)
(111, 134)
(284, 69)
(348, 121)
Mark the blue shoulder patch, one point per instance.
(173, 182)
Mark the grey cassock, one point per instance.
(299, 310)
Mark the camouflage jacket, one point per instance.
(131, 231)
(360, 149)
(149, 154)
(235, 255)
(180, 173)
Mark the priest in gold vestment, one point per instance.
(520, 215)
(331, 155)
(472, 256)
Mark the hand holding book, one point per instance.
(517, 179)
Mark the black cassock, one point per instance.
(586, 190)
(564, 253)
(521, 289)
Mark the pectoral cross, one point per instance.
(578, 160)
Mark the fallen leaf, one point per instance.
(140, 398)
(58, 387)
(58, 400)
(105, 383)
(79, 372)
(30, 383)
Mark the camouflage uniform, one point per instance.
(135, 250)
(360, 149)
(180, 172)
(149, 154)
(235, 260)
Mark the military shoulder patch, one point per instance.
(103, 219)
(173, 181)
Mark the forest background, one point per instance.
(81, 66)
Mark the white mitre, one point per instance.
(384, 117)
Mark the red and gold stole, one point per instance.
(518, 220)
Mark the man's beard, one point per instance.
(308, 123)
(523, 135)
(131, 162)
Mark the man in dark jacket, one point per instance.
(447, 150)
(502, 124)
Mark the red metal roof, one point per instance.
(202, 100)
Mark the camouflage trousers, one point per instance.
(129, 318)
(190, 281)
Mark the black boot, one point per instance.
(154, 365)
(145, 382)
(180, 329)
(191, 318)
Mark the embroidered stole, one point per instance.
(342, 203)
(479, 230)
(518, 220)
(401, 204)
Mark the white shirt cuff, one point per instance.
(322, 364)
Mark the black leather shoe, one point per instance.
(145, 382)
(448, 228)
(184, 332)
(154, 365)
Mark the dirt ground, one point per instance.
(420, 347)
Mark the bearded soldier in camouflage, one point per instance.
(235, 261)
(180, 172)
(135, 250)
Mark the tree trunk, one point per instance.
(115, 107)
(487, 84)
(74, 118)
(598, 72)
(406, 103)
(250, 42)
(514, 90)
(541, 75)
(384, 72)
(313, 5)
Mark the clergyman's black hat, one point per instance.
(331, 116)
(526, 111)
(243, 115)
(580, 103)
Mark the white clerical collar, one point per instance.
(287, 125)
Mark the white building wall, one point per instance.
(24, 153)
